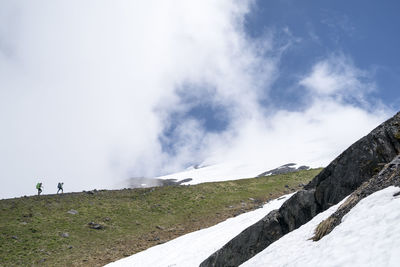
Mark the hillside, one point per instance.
(59, 230)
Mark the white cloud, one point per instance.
(84, 84)
(338, 112)
(87, 89)
(337, 76)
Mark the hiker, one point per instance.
(60, 187)
(39, 188)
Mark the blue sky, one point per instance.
(92, 93)
(366, 31)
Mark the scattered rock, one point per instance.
(96, 226)
(251, 199)
(70, 247)
(160, 227)
(397, 194)
(286, 186)
(107, 219)
(42, 260)
(154, 239)
(90, 192)
(66, 235)
(73, 212)
(14, 237)
(167, 182)
(24, 223)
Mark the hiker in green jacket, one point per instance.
(39, 188)
(60, 187)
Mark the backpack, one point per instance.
(38, 185)
(59, 186)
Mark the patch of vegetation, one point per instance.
(97, 227)
(397, 135)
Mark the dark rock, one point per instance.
(259, 235)
(70, 247)
(287, 186)
(298, 210)
(90, 192)
(96, 226)
(341, 177)
(154, 239)
(303, 167)
(389, 176)
(287, 168)
(169, 182)
(357, 164)
(14, 237)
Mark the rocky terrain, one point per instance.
(345, 174)
(287, 168)
(389, 175)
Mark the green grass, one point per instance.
(134, 219)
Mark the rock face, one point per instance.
(357, 164)
(390, 175)
(344, 175)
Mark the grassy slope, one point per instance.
(31, 228)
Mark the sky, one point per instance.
(95, 92)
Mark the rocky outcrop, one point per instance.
(358, 163)
(143, 182)
(390, 175)
(287, 168)
(340, 178)
(264, 232)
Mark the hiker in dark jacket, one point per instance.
(60, 187)
(39, 188)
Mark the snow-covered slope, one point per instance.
(369, 235)
(223, 172)
(193, 248)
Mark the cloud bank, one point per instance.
(95, 92)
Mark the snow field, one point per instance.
(223, 172)
(193, 248)
(369, 235)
